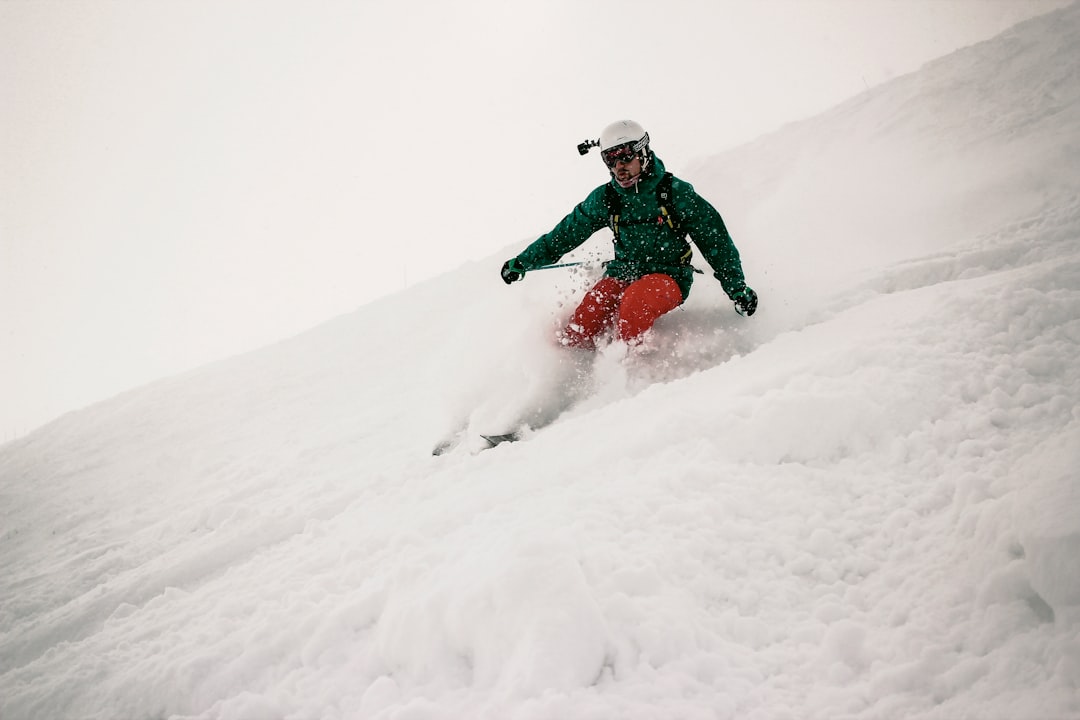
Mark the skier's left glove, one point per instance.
(512, 270)
(745, 301)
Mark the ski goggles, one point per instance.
(619, 153)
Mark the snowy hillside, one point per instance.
(863, 502)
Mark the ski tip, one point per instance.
(446, 446)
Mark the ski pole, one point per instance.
(565, 265)
(584, 262)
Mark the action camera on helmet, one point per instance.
(583, 148)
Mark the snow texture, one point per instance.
(863, 502)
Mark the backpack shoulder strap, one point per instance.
(666, 200)
(663, 189)
(614, 207)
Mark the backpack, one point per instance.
(664, 199)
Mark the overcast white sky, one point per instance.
(186, 180)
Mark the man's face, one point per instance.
(624, 163)
(627, 171)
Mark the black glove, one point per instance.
(512, 270)
(745, 302)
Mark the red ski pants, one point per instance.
(631, 307)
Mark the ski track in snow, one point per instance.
(861, 503)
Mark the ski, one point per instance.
(450, 443)
(500, 439)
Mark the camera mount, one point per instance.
(583, 148)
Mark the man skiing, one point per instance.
(650, 212)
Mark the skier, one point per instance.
(650, 212)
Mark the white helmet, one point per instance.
(618, 137)
(624, 132)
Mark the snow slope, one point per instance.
(861, 503)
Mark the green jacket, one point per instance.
(647, 244)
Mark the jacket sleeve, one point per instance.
(585, 219)
(707, 230)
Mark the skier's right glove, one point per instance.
(745, 302)
(512, 270)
